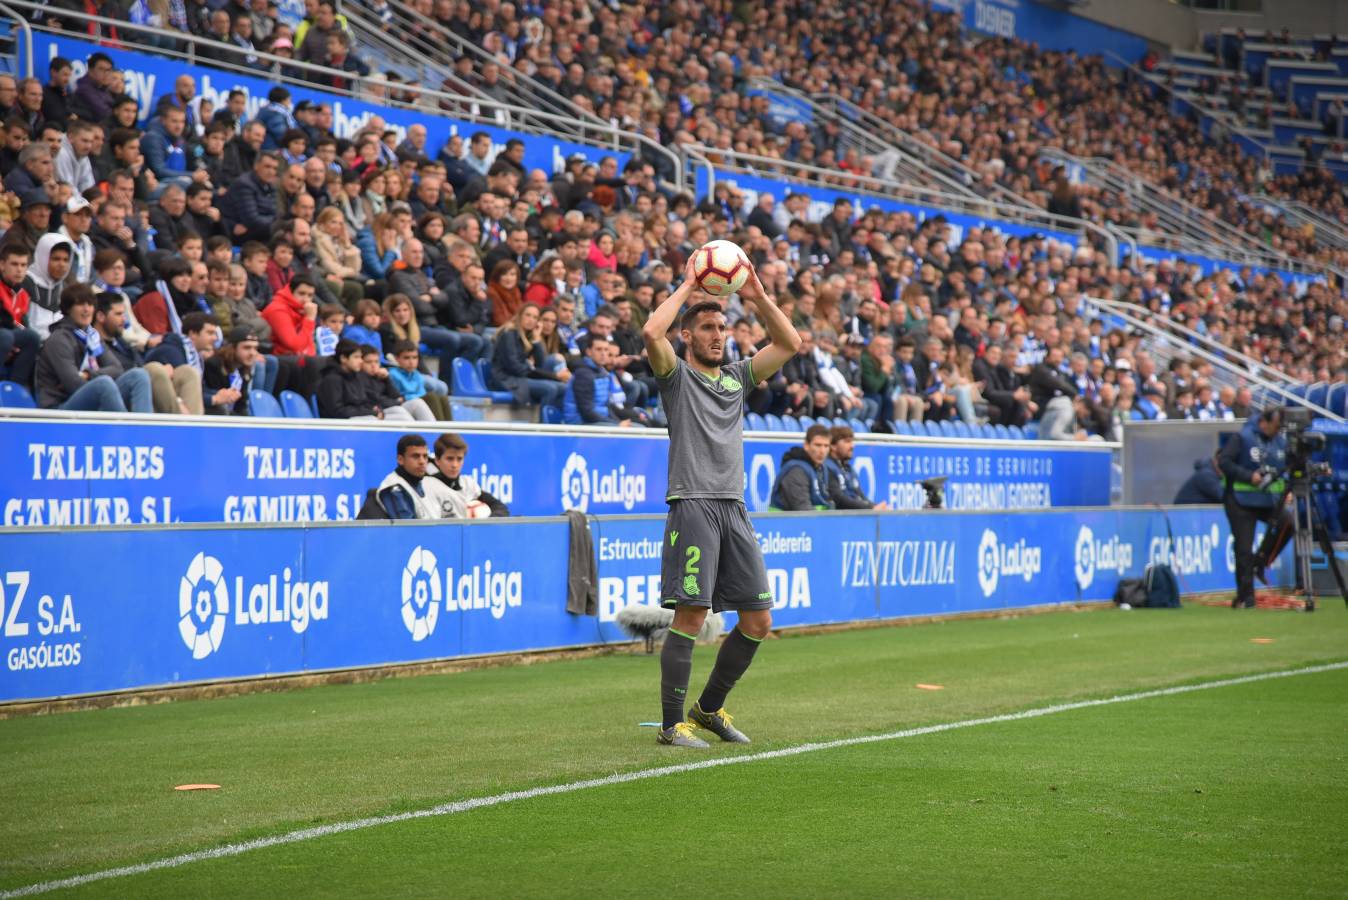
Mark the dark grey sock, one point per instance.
(676, 667)
(735, 655)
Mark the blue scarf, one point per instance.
(93, 346)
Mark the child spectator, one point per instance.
(364, 327)
(409, 381)
(331, 321)
(243, 310)
(383, 394)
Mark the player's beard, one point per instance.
(705, 356)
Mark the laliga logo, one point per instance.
(1114, 555)
(421, 594)
(203, 606)
(580, 486)
(575, 483)
(996, 559)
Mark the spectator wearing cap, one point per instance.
(173, 390)
(34, 219)
(73, 165)
(70, 367)
(229, 373)
(18, 344)
(46, 280)
(249, 207)
(76, 218)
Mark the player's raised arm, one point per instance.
(785, 339)
(655, 332)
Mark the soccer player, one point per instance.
(711, 558)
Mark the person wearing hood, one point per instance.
(802, 481)
(70, 370)
(161, 311)
(291, 314)
(22, 342)
(76, 217)
(46, 277)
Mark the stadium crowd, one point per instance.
(208, 254)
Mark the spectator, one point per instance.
(1052, 393)
(69, 373)
(242, 152)
(93, 101)
(170, 220)
(172, 391)
(460, 495)
(802, 481)
(161, 311)
(311, 42)
(546, 280)
(331, 321)
(383, 394)
(364, 326)
(76, 218)
(73, 165)
(339, 260)
(243, 311)
(35, 171)
(342, 388)
(191, 349)
(378, 248)
(276, 117)
(45, 282)
(248, 208)
(291, 314)
(56, 96)
(590, 394)
(519, 363)
(503, 290)
(844, 488)
(19, 345)
(403, 493)
(165, 147)
(409, 381)
(34, 219)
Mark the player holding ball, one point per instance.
(711, 558)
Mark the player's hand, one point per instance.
(688, 275)
(753, 288)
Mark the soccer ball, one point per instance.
(478, 510)
(720, 268)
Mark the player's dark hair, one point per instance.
(690, 315)
(816, 431)
(450, 441)
(840, 433)
(407, 441)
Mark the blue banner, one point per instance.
(226, 602)
(822, 198)
(1049, 28)
(149, 77)
(783, 108)
(66, 472)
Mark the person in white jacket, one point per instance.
(73, 165)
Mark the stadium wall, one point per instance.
(70, 470)
(88, 611)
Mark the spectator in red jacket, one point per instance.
(18, 345)
(291, 315)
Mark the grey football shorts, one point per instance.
(711, 557)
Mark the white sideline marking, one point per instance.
(460, 806)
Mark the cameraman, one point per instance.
(1253, 462)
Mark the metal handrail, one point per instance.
(1325, 228)
(27, 32)
(535, 92)
(929, 156)
(517, 117)
(1218, 361)
(1193, 337)
(889, 190)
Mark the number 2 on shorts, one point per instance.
(694, 557)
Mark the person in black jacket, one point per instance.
(249, 206)
(342, 390)
(241, 153)
(231, 370)
(1008, 400)
(70, 368)
(804, 386)
(519, 363)
(1053, 392)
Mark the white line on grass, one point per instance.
(461, 806)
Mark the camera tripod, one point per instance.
(1305, 528)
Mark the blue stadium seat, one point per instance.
(15, 396)
(1316, 395)
(468, 383)
(755, 422)
(1000, 431)
(1031, 431)
(260, 403)
(933, 428)
(551, 415)
(948, 428)
(900, 428)
(1015, 433)
(774, 423)
(462, 412)
(858, 426)
(962, 429)
(294, 406)
(1337, 402)
(313, 405)
(807, 422)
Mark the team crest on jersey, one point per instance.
(729, 383)
(690, 585)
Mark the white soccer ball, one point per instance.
(478, 510)
(720, 268)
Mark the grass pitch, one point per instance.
(1233, 789)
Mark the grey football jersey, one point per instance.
(706, 438)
